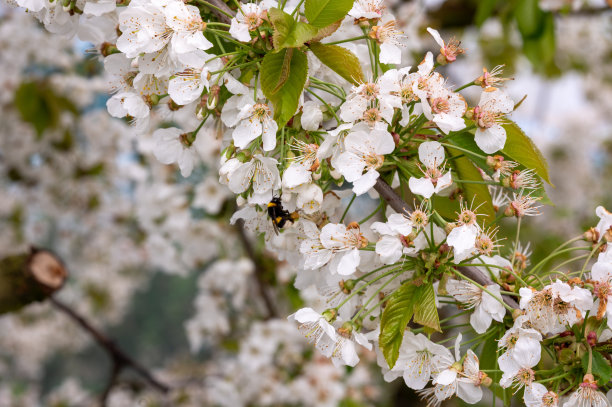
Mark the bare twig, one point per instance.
(220, 5)
(260, 270)
(119, 358)
(400, 206)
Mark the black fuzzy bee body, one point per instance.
(278, 215)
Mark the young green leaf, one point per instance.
(289, 33)
(322, 13)
(340, 60)
(425, 310)
(326, 31)
(283, 75)
(394, 320)
(521, 149)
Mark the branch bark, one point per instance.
(260, 270)
(220, 4)
(120, 359)
(400, 206)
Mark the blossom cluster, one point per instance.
(306, 119)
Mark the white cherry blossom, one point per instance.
(372, 102)
(260, 172)
(605, 220)
(187, 25)
(242, 95)
(255, 120)
(315, 327)
(451, 377)
(490, 136)
(392, 243)
(247, 19)
(187, 86)
(587, 395)
(363, 156)
(172, 145)
(445, 108)
(415, 362)
(431, 154)
(391, 41)
(522, 346)
(344, 242)
(448, 51)
(312, 116)
(367, 9)
(486, 307)
(128, 104)
(537, 395)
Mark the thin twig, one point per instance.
(221, 10)
(260, 270)
(119, 358)
(400, 206)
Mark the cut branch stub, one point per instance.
(28, 278)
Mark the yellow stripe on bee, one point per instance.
(278, 219)
(271, 204)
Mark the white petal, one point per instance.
(269, 134)
(390, 249)
(436, 35)
(469, 392)
(239, 31)
(390, 53)
(365, 182)
(350, 166)
(348, 262)
(431, 153)
(490, 140)
(246, 131)
(445, 378)
(421, 186)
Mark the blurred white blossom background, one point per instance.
(152, 257)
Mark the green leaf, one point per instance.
(322, 13)
(40, 106)
(425, 310)
(488, 361)
(529, 18)
(475, 194)
(521, 149)
(541, 49)
(283, 75)
(340, 60)
(289, 33)
(600, 367)
(326, 31)
(394, 320)
(484, 10)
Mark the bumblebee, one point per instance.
(278, 215)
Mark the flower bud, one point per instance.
(441, 59)
(486, 381)
(346, 329)
(329, 314)
(244, 156)
(470, 115)
(347, 285)
(592, 235)
(592, 338)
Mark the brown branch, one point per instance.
(119, 358)
(260, 270)
(400, 206)
(221, 5)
